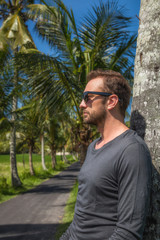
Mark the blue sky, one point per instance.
(81, 8)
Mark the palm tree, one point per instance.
(102, 41)
(29, 128)
(5, 97)
(14, 35)
(145, 117)
(56, 132)
(42, 126)
(52, 131)
(6, 123)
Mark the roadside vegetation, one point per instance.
(69, 212)
(7, 191)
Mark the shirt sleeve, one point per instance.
(134, 184)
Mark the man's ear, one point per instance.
(112, 102)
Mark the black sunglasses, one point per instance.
(85, 95)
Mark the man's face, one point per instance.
(94, 110)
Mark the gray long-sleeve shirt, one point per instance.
(114, 189)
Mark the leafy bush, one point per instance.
(3, 185)
(25, 174)
(4, 147)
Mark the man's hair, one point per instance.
(114, 83)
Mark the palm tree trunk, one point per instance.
(30, 160)
(42, 153)
(73, 155)
(145, 118)
(14, 174)
(64, 155)
(23, 160)
(61, 154)
(53, 157)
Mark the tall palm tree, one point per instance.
(5, 96)
(56, 132)
(145, 117)
(102, 41)
(42, 123)
(29, 128)
(52, 133)
(14, 36)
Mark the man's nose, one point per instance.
(82, 104)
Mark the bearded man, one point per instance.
(115, 179)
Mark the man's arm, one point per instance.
(134, 180)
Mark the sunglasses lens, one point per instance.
(85, 97)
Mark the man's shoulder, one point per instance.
(126, 140)
(134, 146)
(133, 138)
(134, 152)
(130, 141)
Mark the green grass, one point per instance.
(7, 191)
(69, 212)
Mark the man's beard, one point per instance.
(95, 118)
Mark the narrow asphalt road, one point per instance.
(35, 215)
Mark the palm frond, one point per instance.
(61, 33)
(50, 79)
(38, 12)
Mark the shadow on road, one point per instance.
(58, 187)
(28, 231)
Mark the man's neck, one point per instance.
(112, 128)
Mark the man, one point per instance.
(115, 179)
